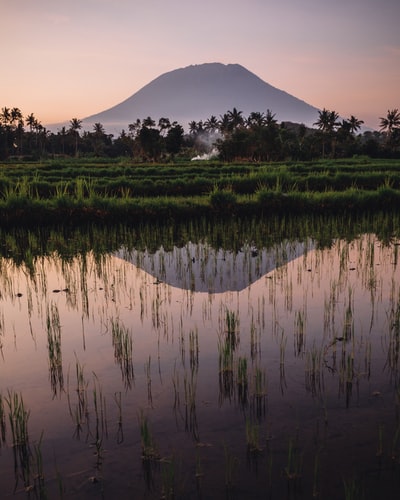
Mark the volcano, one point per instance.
(199, 91)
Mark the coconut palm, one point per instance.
(211, 124)
(326, 123)
(74, 126)
(193, 127)
(15, 116)
(235, 118)
(5, 116)
(390, 122)
(256, 119)
(270, 120)
(30, 121)
(224, 124)
(354, 124)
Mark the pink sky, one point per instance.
(72, 59)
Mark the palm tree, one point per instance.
(193, 127)
(30, 121)
(211, 124)
(354, 124)
(326, 123)
(149, 122)
(98, 138)
(164, 125)
(134, 128)
(235, 118)
(327, 120)
(74, 126)
(224, 123)
(62, 133)
(270, 120)
(5, 116)
(15, 116)
(256, 119)
(390, 122)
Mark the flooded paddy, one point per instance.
(242, 361)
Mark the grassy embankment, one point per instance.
(79, 189)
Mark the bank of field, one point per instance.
(103, 189)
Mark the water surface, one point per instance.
(260, 371)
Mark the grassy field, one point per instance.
(98, 189)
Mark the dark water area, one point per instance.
(230, 359)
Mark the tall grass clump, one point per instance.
(223, 200)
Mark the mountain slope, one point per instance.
(199, 91)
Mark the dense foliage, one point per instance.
(258, 137)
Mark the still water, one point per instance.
(198, 370)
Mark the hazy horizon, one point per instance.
(76, 59)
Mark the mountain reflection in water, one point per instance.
(201, 268)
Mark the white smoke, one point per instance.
(207, 156)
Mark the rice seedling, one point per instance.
(147, 369)
(18, 419)
(80, 412)
(38, 472)
(253, 437)
(293, 469)
(54, 349)
(353, 489)
(231, 331)
(231, 465)
(299, 334)
(168, 476)
(123, 350)
(259, 392)
(282, 348)
(120, 431)
(242, 382)
(194, 350)
(313, 371)
(2, 421)
(149, 447)
(226, 366)
(254, 340)
(199, 473)
(190, 387)
(175, 383)
(393, 348)
(348, 326)
(101, 430)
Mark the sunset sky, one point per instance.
(74, 58)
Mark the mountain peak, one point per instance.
(199, 91)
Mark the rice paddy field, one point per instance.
(72, 190)
(235, 357)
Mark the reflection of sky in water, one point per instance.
(309, 305)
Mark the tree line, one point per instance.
(232, 136)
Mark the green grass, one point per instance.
(109, 190)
